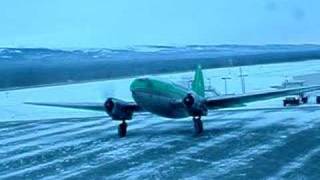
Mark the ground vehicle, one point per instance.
(292, 100)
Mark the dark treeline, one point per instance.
(34, 72)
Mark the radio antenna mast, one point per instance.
(225, 84)
(243, 84)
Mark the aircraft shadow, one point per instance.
(188, 132)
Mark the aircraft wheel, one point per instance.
(304, 100)
(122, 129)
(198, 126)
(318, 99)
(284, 104)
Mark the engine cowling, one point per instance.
(118, 109)
(195, 105)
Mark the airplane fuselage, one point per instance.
(159, 97)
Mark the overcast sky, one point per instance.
(123, 23)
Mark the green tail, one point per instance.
(198, 82)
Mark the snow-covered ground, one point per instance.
(54, 143)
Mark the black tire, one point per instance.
(304, 100)
(284, 103)
(122, 129)
(198, 125)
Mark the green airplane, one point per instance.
(167, 99)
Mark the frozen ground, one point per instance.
(52, 143)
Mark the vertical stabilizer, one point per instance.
(198, 82)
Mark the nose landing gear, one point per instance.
(198, 125)
(122, 129)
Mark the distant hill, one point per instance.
(24, 67)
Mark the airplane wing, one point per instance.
(298, 108)
(218, 102)
(83, 106)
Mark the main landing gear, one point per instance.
(122, 129)
(197, 123)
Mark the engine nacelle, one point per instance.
(195, 105)
(118, 109)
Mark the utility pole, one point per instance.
(209, 87)
(286, 82)
(243, 84)
(225, 84)
(230, 62)
(189, 84)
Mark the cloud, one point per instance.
(118, 23)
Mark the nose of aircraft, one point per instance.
(140, 83)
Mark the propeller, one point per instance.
(109, 105)
(189, 100)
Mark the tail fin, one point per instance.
(198, 82)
